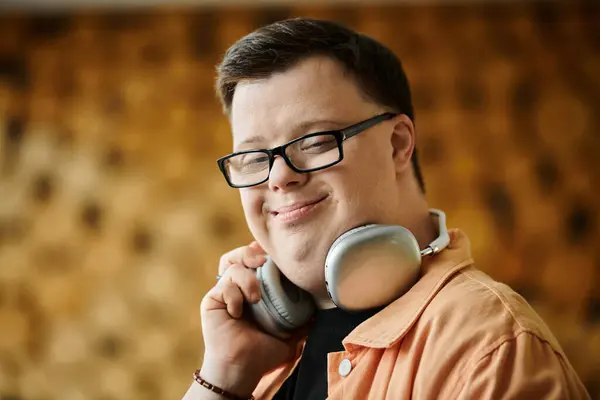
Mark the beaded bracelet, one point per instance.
(217, 389)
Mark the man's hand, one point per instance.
(237, 354)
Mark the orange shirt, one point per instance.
(457, 334)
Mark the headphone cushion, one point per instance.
(291, 306)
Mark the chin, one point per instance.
(309, 277)
(301, 257)
(299, 243)
(296, 248)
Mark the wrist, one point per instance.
(229, 377)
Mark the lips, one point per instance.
(296, 206)
(296, 212)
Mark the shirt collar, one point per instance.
(391, 324)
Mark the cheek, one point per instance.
(361, 198)
(376, 164)
(252, 204)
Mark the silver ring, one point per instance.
(218, 277)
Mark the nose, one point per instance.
(282, 177)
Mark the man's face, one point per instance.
(314, 96)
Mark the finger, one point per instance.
(213, 300)
(246, 280)
(234, 299)
(254, 255)
(227, 295)
(250, 256)
(230, 258)
(255, 245)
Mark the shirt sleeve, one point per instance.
(523, 367)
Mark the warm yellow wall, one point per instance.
(113, 214)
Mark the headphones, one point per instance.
(366, 267)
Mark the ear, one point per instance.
(403, 142)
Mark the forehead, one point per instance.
(278, 108)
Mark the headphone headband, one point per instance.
(443, 239)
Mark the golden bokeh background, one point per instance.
(113, 214)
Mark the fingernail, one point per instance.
(259, 258)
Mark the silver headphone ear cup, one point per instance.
(371, 266)
(283, 307)
(265, 316)
(293, 305)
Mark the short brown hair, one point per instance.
(281, 45)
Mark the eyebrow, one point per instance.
(300, 127)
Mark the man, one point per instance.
(455, 334)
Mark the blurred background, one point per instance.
(113, 214)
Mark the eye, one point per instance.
(249, 162)
(254, 158)
(318, 144)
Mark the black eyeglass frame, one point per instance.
(340, 136)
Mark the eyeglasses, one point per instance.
(309, 153)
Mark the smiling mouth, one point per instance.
(295, 213)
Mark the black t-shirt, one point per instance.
(330, 327)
